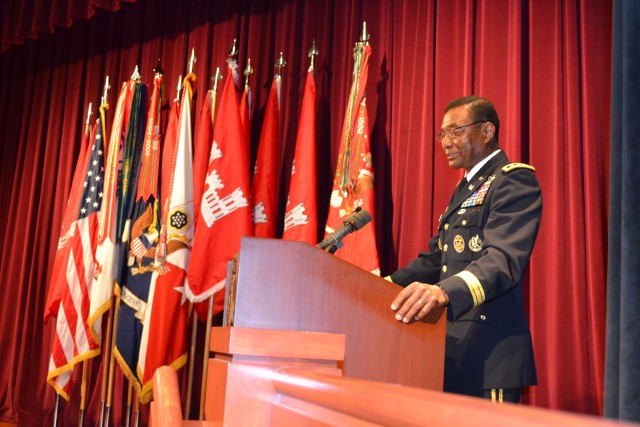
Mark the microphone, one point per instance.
(358, 219)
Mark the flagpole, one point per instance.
(192, 354)
(233, 54)
(313, 52)
(246, 96)
(215, 79)
(87, 123)
(136, 77)
(105, 369)
(194, 328)
(179, 88)
(127, 421)
(247, 72)
(358, 50)
(83, 393)
(55, 413)
(280, 63)
(136, 409)
(83, 385)
(205, 361)
(104, 105)
(112, 359)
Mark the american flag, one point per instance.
(92, 191)
(72, 342)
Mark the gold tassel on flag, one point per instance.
(353, 182)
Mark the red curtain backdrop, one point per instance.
(24, 20)
(545, 65)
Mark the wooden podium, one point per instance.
(290, 304)
(306, 335)
(285, 285)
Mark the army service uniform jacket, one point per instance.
(484, 241)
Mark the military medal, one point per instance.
(475, 243)
(458, 243)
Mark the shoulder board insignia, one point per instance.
(513, 166)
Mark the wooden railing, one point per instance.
(305, 398)
(284, 378)
(305, 395)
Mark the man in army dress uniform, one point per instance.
(475, 264)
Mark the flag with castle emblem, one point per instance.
(224, 214)
(264, 194)
(301, 218)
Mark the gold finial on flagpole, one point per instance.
(280, 63)
(364, 39)
(248, 70)
(179, 88)
(192, 60)
(105, 90)
(233, 53)
(89, 113)
(158, 69)
(216, 78)
(136, 75)
(313, 52)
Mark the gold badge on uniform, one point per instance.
(439, 244)
(475, 243)
(458, 243)
(461, 211)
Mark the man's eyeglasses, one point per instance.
(453, 133)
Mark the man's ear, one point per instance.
(489, 131)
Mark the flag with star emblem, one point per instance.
(301, 217)
(142, 227)
(72, 342)
(58, 273)
(264, 194)
(353, 182)
(164, 337)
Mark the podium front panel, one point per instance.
(295, 286)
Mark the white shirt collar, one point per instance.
(474, 170)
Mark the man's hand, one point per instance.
(417, 300)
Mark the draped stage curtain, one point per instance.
(546, 65)
(24, 20)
